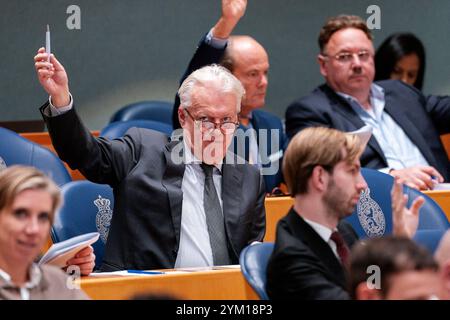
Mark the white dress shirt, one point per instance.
(397, 147)
(325, 234)
(195, 248)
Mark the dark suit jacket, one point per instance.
(422, 118)
(271, 156)
(145, 227)
(302, 265)
(205, 55)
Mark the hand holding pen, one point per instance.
(52, 76)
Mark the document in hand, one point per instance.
(59, 253)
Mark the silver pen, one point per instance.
(47, 43)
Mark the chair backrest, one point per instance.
(146, 110)
(429, 238)
(15, 149)
(432, 216)
(373, 213)
(119, 128)
(88, 207)
(253, 260)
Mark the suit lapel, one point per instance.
(408, 127)
(255, 124)
(231, 198)
(318, 246)
(241, 147)
(342, 106)
(265, 149)
(172, 180)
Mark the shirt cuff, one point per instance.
(58, 111)
(215, 42)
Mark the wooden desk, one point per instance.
(442, 197)
(276, 208)
(446, 142)
(44, 140)
(226, 284)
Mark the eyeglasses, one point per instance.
(348, 57)
(227, 127)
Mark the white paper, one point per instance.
(442, 186)
(123, 273)
(198, 269)
(364, 134)
(59, 253)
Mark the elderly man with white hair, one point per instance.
(179, 202)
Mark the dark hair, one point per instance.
(392, 255)
(341, 22)
(393, 49)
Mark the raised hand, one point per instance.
(232, 12)
(404, 221)
(52, 77)
(233, 9)
(85, 260)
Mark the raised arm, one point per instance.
(100, 160)
(232, 12)
(207, 53)
(53, 78)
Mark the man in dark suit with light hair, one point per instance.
(178, 203)
(311, 252)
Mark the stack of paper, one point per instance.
(59, 253)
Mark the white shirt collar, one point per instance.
(322, 231)
(190, 158)
(376, 92)
(35, 277)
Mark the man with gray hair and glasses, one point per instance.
(178, 203)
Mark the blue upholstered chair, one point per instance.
(429, 238)
(253, 261)
(146, 110)
(119, 128)
(373, 213)
(15, 149)
(87, 208)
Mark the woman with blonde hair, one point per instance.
(28, 202)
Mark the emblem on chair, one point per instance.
(370, 215)
(2, 164)
(103, 217)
